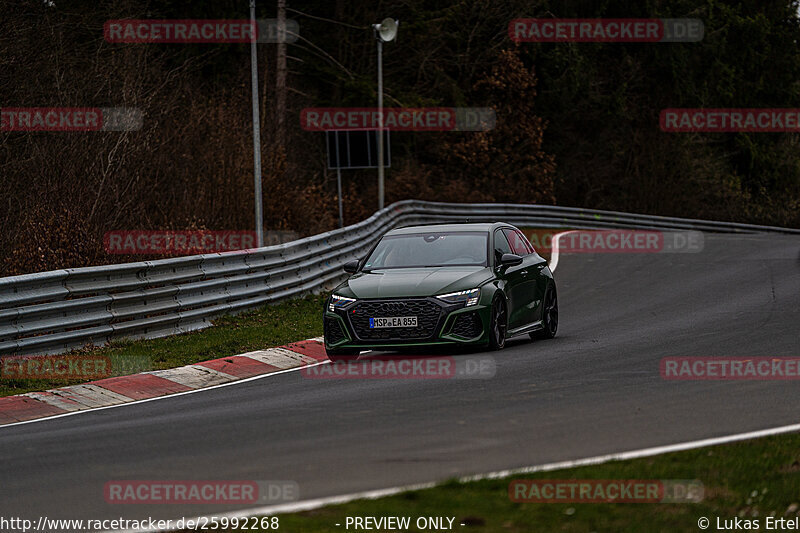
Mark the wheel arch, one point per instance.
(492, 289)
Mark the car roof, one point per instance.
(434, 228)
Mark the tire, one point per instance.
(342, 354)
(498, 324)
(549, 315)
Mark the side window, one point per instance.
(501, 245)
(527, 242)
(519, 244)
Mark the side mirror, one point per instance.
(351, 266)
(509, 260)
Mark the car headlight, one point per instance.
(337, 302)
(470, 297)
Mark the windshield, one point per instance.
(429, 250)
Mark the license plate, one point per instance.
(393, 322)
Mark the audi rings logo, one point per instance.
(393, 307)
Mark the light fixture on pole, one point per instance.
(384, 32)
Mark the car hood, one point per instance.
(413, 282)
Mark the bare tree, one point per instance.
(280, 77)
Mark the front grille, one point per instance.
(333, 331)
(428, 315)
(467, 325)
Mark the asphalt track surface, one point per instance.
(595, 389)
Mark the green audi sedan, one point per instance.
(470, 284)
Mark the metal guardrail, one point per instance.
(53, 312)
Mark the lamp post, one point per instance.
(256, 130)
(384, 32)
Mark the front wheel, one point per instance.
(549, 316)
(498, 325)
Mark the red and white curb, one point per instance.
(147, 385)
(159, 383)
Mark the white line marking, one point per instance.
(638, 454)
(307, 505)
(168, 396)
(554, 253)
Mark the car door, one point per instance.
(530, 291)
(514, 281)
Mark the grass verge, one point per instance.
(749, 480)
(273, 325)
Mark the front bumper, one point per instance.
(438, 323)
